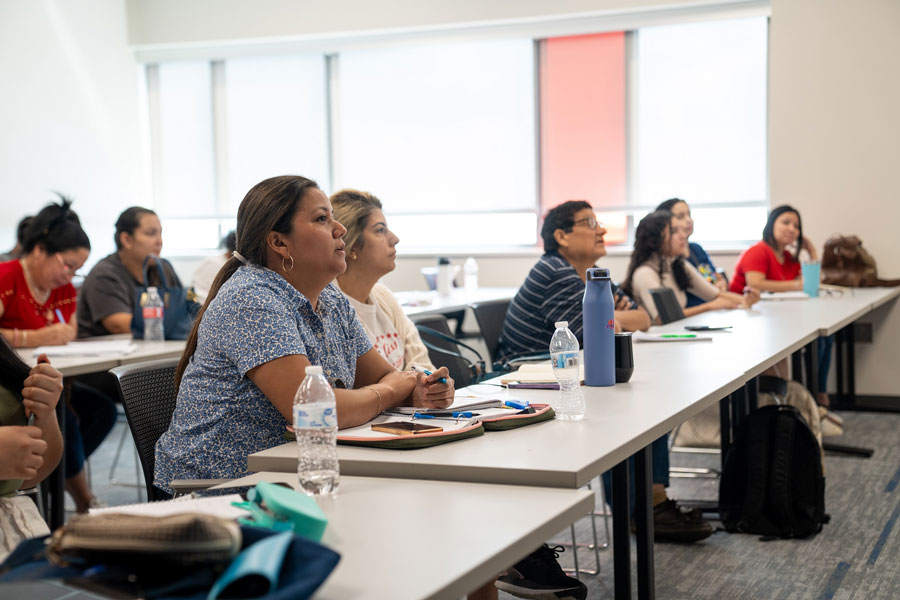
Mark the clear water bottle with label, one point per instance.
(315, 424)
(470, 274)
(152, 312)
(565, 361)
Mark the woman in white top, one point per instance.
(371, 255)
(658, 261)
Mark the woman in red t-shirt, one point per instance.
(771, 265)
(37, 308)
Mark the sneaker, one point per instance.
(671, 524)
(539, 576)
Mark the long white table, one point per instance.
(400, 538)
(80, 365)
(423, 302)
(671, 383)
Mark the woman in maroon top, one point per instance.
(771, 265)
(37, 308)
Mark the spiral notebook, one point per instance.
(217, 506)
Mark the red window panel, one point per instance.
(582, 104)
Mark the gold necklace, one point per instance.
(42, 296)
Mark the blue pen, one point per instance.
(419, 369)
(438, 415)
(59, 315)
(518, 404)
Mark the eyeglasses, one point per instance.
(591, 222)
(73, 271)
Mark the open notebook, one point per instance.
(217, 506)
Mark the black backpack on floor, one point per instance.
(772, 484)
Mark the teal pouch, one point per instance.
(254, 572)
(280, 508)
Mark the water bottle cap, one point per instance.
(314, 370)
(596, 273)
(443, 260)
(561, 324)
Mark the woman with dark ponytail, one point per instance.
(37, 308)
(272, 311)
(660, 246)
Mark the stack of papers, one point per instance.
(216, 506)
(89, 348)
(536, 373)
(459, 405)
(796, 295)
(640, 336)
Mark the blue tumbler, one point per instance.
(599, 329)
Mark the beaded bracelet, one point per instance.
(377, 396)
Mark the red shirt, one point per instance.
(760, 257)
(21, 310)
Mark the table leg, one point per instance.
(56, 483)
(752, 391)
(643, 516)
(724, 427)
(840, 340)
(812, 368)
(621, 532)
(851, 366)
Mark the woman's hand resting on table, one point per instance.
(431, 393)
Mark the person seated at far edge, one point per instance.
(773, 265)
(695, 255)
(658, 261)
(371, 255)
(107, 297)
(553, 291)
(271, 312)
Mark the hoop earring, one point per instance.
(283, 268)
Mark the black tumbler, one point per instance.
(624, 357)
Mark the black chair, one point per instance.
(490, 316)
(148, 394)
(666, 305)
(445, 350)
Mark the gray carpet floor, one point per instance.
(857, 555)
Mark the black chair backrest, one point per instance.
(490, 317)
(666, 305)
(460, 369)
(148, 393)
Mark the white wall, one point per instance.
(68, 113)
(834, 127)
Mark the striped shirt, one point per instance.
(552, 292)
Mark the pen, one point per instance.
(519, 404)
(59, 315)
(437, 415)
(678, 335)
(419, 369)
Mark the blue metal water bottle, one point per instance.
(599, 330)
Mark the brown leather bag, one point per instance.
(845, 262)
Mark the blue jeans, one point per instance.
(90, 415)
(659, 459)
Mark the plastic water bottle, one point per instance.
(315, 424)
(152, 311)
(599, 329)
(444, 276)
(470, 274)
(565, 361)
